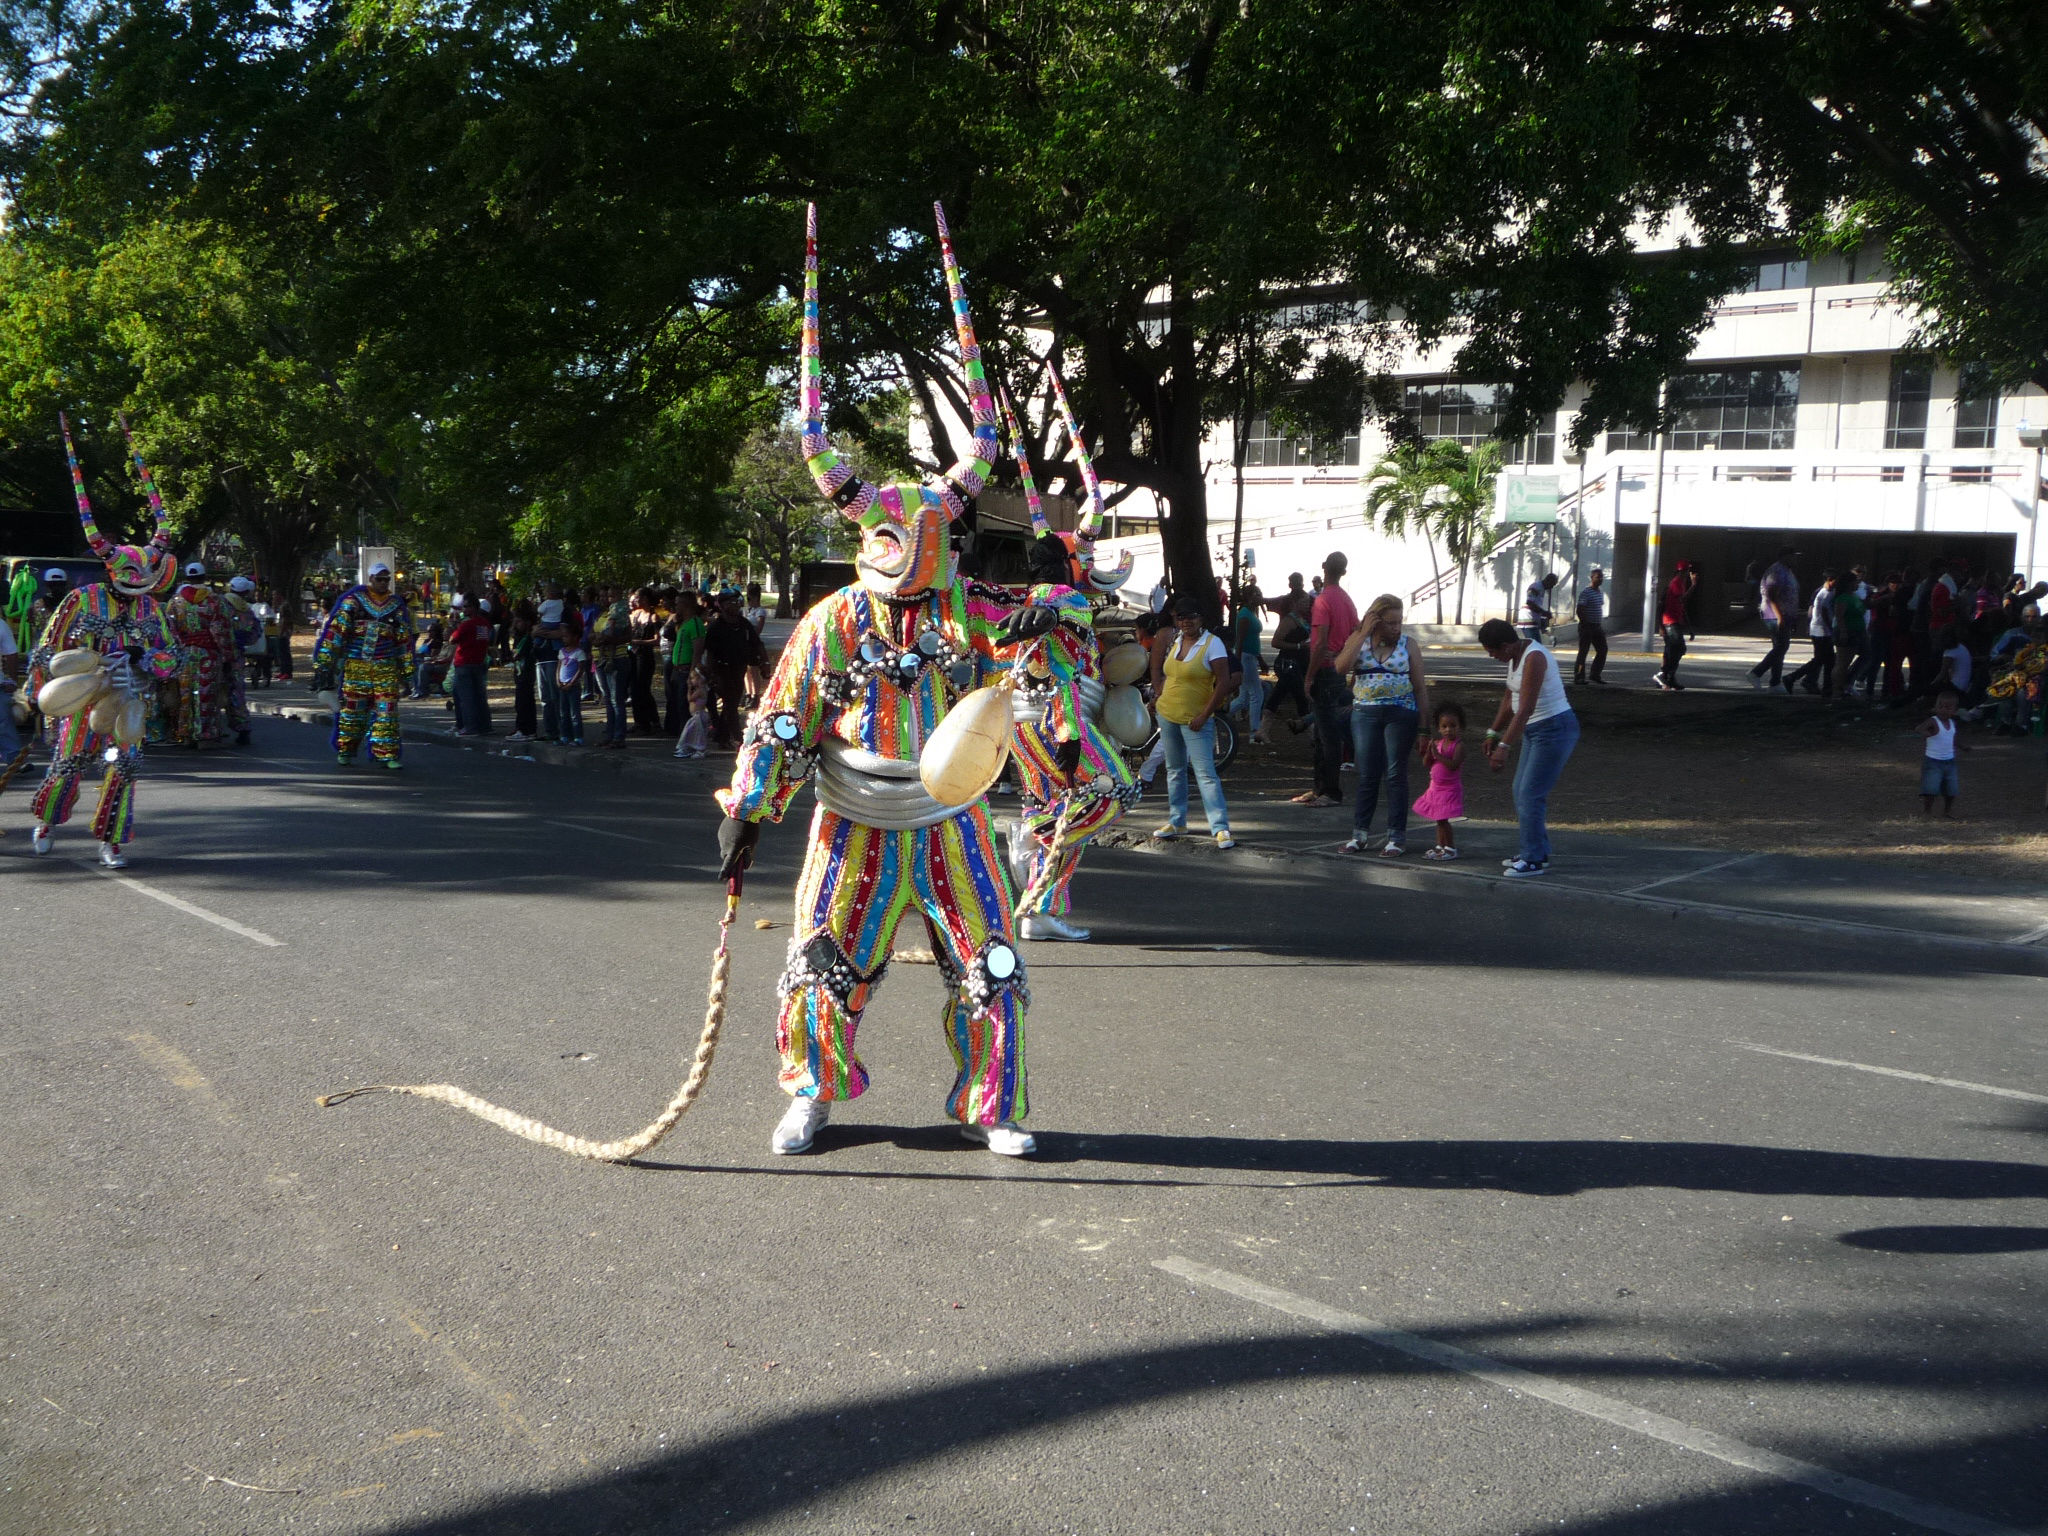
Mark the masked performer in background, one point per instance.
(245, 628)
(1075, 781)
(191, 707)
(362, 652)
(864, 680)
(112, 637)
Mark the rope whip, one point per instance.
(626, 1148)
(20, 762)
(1049, 866)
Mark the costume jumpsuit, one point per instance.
(1102, 787)
(878, 676)
(99, 618)
(366, 644)
(191, 707)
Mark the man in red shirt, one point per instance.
(1330, 624)
(1671, 617)
(469, 664)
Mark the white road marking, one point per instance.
(624, 837)
(1911, 1077)
(2031, 935)
(1593, 1405)
(189, 908)
(1704, 869)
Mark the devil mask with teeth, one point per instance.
(905, 550)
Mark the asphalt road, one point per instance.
(1391, 1145)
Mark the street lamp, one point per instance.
(1574, 454)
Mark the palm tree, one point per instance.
(1462, 513)
(1403, 493)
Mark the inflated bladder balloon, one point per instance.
(1125, 716)
(1126, 663)
(72, 663)
(67, 696)
(965, 755)
(106, 709)
(133, 719)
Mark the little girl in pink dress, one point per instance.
(1444, 801)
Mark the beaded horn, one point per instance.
(161, 539)
(1039, 526)
(1090, 526)
(93, 536)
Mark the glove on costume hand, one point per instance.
(1068, 757)
(736, 843)
(1027, 624)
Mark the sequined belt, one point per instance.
(875, 791)
(1028, 710)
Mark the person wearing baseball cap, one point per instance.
(192, 706)
(361, 653)
(1671, 617)
(245, 628)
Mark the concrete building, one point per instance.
(1803, 420)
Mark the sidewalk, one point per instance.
(1842, 894)
(1790, 889)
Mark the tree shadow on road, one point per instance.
(776, 1473)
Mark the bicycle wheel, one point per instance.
(1226, 741)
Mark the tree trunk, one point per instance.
(1436, 575)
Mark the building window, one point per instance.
(1266, 447)
(1905, 413)
(1737, 410)
(1976, 407)
(1771, 276)
(1470, 414)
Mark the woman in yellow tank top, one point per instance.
(1190, 681)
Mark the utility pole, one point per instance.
(1656, 539)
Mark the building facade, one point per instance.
(1801, 420)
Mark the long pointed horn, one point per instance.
(1039, 526)
(93, 536)
(162, 537)
(1091, 520)
(966, 478)
(829, 468)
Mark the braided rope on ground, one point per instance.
(626, 1148)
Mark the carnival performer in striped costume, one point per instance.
(362, 652)
(121, 621)
(1075, 782)
(866, 677)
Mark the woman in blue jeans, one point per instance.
(1389, 696)
(1533, 711)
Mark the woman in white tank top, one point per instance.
(1535, 715)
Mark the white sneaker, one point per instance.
(1005, 1140)
(519, 736)
(111, 856)
(1043, 925)
(39, 839)
(798, 1125)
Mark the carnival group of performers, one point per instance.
(864, 681)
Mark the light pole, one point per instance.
(1656, 538)
(1573, 454)
(2036, 438)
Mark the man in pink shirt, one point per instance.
(1331, 622)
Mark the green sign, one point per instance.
(1531, 498)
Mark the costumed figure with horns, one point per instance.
(1075, 781)
(362, 653)
(91, 668)
(864, 681)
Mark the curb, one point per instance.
(524, 751)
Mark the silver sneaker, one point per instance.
(1043, 925)
(111, 856)
(1006, 1140)
(798, 1125)
(39, 839)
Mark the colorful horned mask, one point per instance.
(1084, 573)
(905, 549)
(135, 570)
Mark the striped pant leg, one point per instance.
(385, 735)
(114, 821)
(966, 903)
(1108, 789)
(354, 699)
(70, 754)
(854, 889)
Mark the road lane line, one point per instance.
(624, 837)
(2030, 935)
(1704, 869)
(189, 908)
(1593, 1405)
(1911, 1077)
